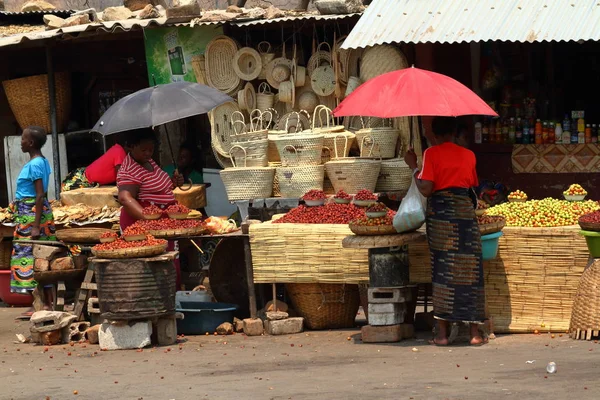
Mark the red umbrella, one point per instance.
(412, 92)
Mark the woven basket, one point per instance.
(342, 57)
(224, 162)
(279, 70)
(247, 63)
(325, 126)
(323, 80)
(494, 227)
(5, 254)
(319, 57)
(295, 181)
(287, 91)
(325, 306)
(254, 151)
(585, 318)
(292, 122)
(199, 67)
(395, 175)
(29, 100)
(264, 49)
(222, 129)
(383, 139)
(247, 98)
(245, 133)
(246, 183)
(276, 192)
(333, 142)
(300, 76)
(353, 83)
(327, 185)
(378, 60)
(218, 56)
(362, 230)
(134, 252)
(589, 226)
(264, 97)
(353, 174)
(308, 101)
(81, 235)
(308, 148)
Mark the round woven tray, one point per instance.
(247, 63)
(319, 57)
(135, 252)
(494, 227)
(275, 71)
(589, 226)
(218, 57)
(178, 232)
(362, 230)
(81, 235)
(378, 60)
(222, 129)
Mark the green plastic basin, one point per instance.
(593, 242)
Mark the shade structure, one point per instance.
(157, 105)
(412, 92)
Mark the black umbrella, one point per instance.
(158, 105)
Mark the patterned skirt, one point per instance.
(456, 261)
(76, 179)
(21, 262)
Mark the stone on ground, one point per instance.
(121, 337)
(253, 327)
(284, 326)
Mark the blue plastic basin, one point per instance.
(203, 317)
(489, 245)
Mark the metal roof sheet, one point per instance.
(301, 17)
(54, 12)
(454, 21)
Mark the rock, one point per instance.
(253, 327)
(46, 321)
(1, 5)
(218, 16)
(37, 5)
(281, 306)
(50, 338)
(381, 334)
(330, 7)
(238, 325)
(52, 22)
(276, 315)
(284, 326)
(78, 329)
(274, 12)
(136, 5)
(183, 8)
(48, 252)
(254, 13)
(91, 334)
(166, 331)
(62, 264)
(116, 14)
(39, 264)
(257, 3)
(225, 329)
(149, 12)
(120, 337)
(74, 20)
(234, 9)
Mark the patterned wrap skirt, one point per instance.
(21, 262)
(76, 179)
(456, 260)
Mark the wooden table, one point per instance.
(382, 241)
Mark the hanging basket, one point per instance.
(378, 60)
(264, 98)
(29, 100)
(222, 129)
(247, 63)
(199, 67)
(325, 306)
(218, 56)
(264, 49)
(353, 83)
(395, 175)
(279, 70)
(319, 57)
(247, 98)
(246, 183)
(323, 80)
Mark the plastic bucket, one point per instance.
(12, 299)
(203, 317)
(489, 245)
(593, 242)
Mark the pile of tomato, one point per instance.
(123, 244)
(331, 213)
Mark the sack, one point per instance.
(411, 214)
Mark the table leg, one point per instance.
(250, 277)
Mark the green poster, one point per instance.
(169, 51)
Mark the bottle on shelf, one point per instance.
(526, 139)
(545, 139)
(581, 125)
(594, 133)
(519, 131)
(559, 135)
(538, 132)
(512, 131)
(551, 134)
(588, 133)
(567, 125)
(479, 138)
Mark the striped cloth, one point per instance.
(154, 186)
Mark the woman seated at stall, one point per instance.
(103, 171)
(32, 213)
(189, 157)
(447, 176)
(141, 182)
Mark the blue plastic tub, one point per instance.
(201, 318)
(489, 245)
(200, 296)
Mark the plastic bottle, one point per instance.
(525, 132)
(551, 367)
(512, 131)
(567, 124)
(479, 138)
(588, 133)
(545, 137)
(551, 137)
(566, 137)
(558, 134)
(581, 137)
(538, 132)
(581, 125)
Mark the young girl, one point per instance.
(32, 211)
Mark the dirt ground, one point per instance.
(310, 365)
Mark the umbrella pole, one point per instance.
(173, 158)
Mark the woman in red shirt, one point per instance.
(103, 171)
(141, 182)
(447, 176)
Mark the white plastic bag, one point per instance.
(411, 213)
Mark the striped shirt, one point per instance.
(154, 187)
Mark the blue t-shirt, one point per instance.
(38, 168)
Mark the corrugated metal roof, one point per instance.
(452, 21)
(302, 17)
(54, 12)
(104, 27)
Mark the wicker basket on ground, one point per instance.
(585, 318)
(325, 306)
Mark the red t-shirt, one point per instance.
(449, 165)
(155, 186)
(102, 171)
